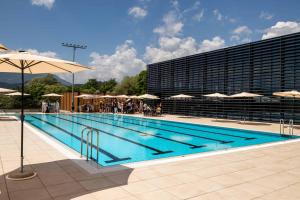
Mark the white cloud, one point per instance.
(47, 3)
(172, 25)
(241, 34)
(265, 15)
(124, 61)
(198, 17)
(49, 54)
(220, 17)
(174, 47)
(242, 30)
(137, 12)
(218, 14)
(281, 28)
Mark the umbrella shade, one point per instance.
(4, 90)
(52, 95)
(245, 95)
(181, 96)
(85, 96)
(16, 94)
(133, 97)
(108, 96)
(3, 48)
(23, 62)
(34, 64)
(216, 95)
(122, 96)
(292, 93)
(148, 96)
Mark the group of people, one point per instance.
(50, 107)
(123, 106)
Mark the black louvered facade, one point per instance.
(261, 67)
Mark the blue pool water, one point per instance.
(125, 139)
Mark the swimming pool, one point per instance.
(126, 139)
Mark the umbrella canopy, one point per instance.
(15, 62)
(181, 96)
(52, 95)
(216, 95)
(4, 90)
(245, 95)
(85, 96)
(148, 96)
(292, 93)
(3, 48)
(23, 62)
(122, 96)
(16, 94)
(133, 97)
(108, 96)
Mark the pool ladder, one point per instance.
(89, 133)
(290, 127)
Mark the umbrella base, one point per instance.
(17, 175)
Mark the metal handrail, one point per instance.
(281, 127)
(291, 127)
(89, 142)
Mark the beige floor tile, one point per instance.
(99, 183)
(36, 194)
(277, 181)
(34, 183)
(69, 188)
(158, 194)
(164, 182)
(227, 180)
(110, 194)
(185, 191)
(187, 177)
(139, 187)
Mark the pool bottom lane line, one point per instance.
(192, 146)
(187, 128)
(157, 151)
(197, 136)
(113, 157)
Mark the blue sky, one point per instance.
(124, 35)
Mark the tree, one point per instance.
(107, 86)
(142, 82)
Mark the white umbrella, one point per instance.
(4, 90)
(293, 94)
(17, 94)
(216, 95)
(148, 96)
(123, 96)
(245, 95)
(23, 62)
(108, 96)
(133, 97)
(85, 96)
(3, 48)
(181, 96)
(52, 95)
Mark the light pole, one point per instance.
(74, 46)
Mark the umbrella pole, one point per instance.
(21, 174)
(22, 123)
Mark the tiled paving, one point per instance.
(263, 174)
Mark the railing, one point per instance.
(281, 127)
(89, 143)
(290, 127)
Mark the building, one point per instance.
(261, 67)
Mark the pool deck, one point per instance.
(263, 173)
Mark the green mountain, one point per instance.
(12, 80)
